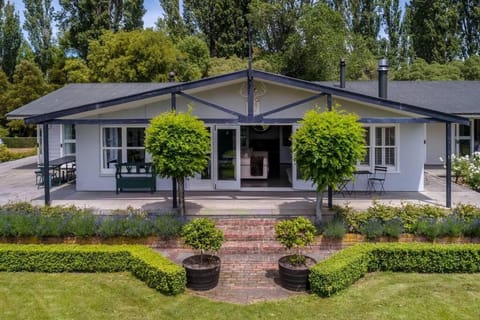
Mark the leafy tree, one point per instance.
(469, 12)
(193, 63)
(11, 39)
(38, 24)
(326, 148)
(28, 85)
(84, 20)
(317, 46)
(76, 71)
(219, 66)
(222, 22)
(172, 22)
(471, 68)
(274, 21)
(392, 22)
(434, 29)
(421, 70)
(136, 56)
(179, 145)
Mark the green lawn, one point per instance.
(120, 296)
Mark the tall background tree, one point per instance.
(38, 16)
(434, 30)
(469, 24)
(11, 38)
(84, 20)
(223, 23)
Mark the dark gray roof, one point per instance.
(80, 94)
(454, 97)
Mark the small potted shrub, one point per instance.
(203, 270)
(294, 269)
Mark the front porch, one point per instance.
(256, 203)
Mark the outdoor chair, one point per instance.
(342, 187)
(376, 180)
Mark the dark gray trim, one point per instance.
(398, 120)
(358, 96)
(291, 105)
(448, 157)
(150, 94)
(209, 104)
(306, 85)
(46, 165)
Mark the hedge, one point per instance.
(347, 266)
(153, 269)
(20, 142)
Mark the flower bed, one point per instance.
(145, 264)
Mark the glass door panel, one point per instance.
(204, 179)
(227, 154)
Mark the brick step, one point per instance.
(248, 229)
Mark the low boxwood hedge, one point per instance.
(347, 266)
(153, 269)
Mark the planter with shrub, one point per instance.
(203, 270)
(294, 269)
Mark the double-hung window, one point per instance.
(69, 140)
(121, 144)
(381, 146)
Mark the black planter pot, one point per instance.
(203, 276)
(292, 277)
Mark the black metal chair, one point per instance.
(342, 187)
(377, 179)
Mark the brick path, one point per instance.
(249, 271)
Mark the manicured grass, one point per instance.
(121, 296)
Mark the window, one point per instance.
(381, 146)
(122, 144)
(69, 141)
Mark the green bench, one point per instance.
(135, 176)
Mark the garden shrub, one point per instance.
(372, 229)
(452, 226)
(428, 227)
(20, 142)
(156, 271)
(334, 229)
(8, 155)
(345, 267)
(466, 211)
(473, 228)
(393, 228)
(24, 220)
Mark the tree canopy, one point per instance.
(179, 144)
(326, 148)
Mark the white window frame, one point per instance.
(373, 146)
(68, 141)
(123, 147)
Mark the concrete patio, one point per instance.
(18, 184)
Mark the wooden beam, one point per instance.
(291, 105)
(46, 165)
(448, 157)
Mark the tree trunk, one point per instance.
(318, 208)
(181, 195)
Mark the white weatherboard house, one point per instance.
(250, 115)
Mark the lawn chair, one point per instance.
(377, 180)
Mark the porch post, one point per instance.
(46, 165)
(448, 156)
(251, 89)
(173, 99)
(330, 191)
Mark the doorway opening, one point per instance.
(265, 156)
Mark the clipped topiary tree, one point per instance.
(327, 147)
(179, 144)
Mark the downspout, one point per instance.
(173, 99)
(46, 165)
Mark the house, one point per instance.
(250, 114)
